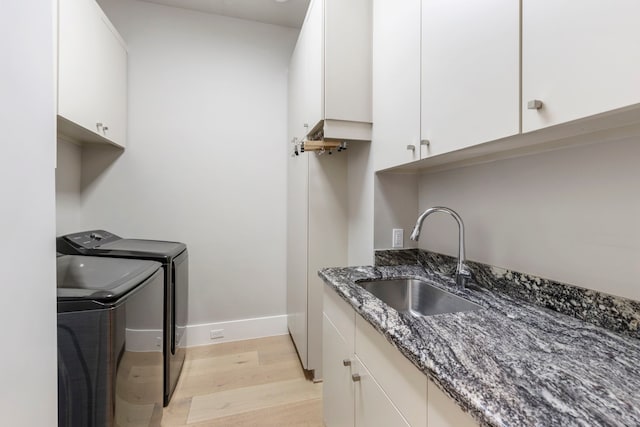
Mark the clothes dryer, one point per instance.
(174, 259)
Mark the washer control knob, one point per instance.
(96, 236)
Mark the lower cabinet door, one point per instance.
(444, 412)
(337, 386)
(372, 406)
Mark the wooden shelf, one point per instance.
(322, 145)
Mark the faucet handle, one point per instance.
(464, 269)
(463, 275)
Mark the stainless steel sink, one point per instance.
(416, 297)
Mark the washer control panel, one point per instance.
(91, 239)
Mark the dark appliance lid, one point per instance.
(99, 279)
(144, 248)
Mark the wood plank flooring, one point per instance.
(254, 383)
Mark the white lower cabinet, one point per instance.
(373, 408)
(316, 237)
(351, 395)
(405, 385)
(368, 383)
(443, 412)
(338, 386)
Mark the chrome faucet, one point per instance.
(463, 275)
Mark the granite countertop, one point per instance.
(511, 363)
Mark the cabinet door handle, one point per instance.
(99, 126)
(355, 377)
(105, 129)
(425, 142)
(346, 362)
(534, 104)
(411, 147)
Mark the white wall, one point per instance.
(68, 189)
(360, 178)
(205, 157)
(28, 396)
(569, 215)
(396, 206)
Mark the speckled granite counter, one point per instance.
(511, 363)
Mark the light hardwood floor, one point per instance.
(256, 382)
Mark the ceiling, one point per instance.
(288, 13)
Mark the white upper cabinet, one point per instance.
(445, 77)
(334, 50)
(92, 75)
(347, 60)
(295, 94)
(396, 82)
(310, 101)
(579, 58)
(470, 72)
(491, 73)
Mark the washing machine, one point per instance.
(174, 259)
(110, 366)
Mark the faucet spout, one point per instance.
(463, 275)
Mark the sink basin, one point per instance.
(417, 297)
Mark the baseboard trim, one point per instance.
(236, 330)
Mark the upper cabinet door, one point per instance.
(470, 72)
(295, 96)
(92, 75)
(112, 82)
(396, 82)
(311, 44)
(77, 56)
(579, 58)
(347, 60)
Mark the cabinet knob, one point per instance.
(355, 377)
(534, 104)
(411, 147)
(346, 362)
(425, 142)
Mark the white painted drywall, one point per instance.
(396, 206)
(360, 179)
(569, 215)
(27, 217)
(205, 156)
(68, 201)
